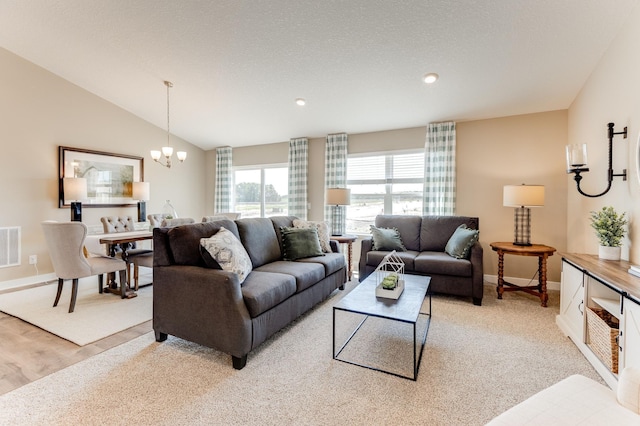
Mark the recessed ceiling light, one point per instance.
(301, 102)
(430, 78)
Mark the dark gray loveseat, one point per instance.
(425, 239)
(210, 306)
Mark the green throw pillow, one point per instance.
(460, 243)
(298, 243)
(386, 239)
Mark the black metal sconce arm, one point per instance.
(610, 174)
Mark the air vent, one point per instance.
(9, 246)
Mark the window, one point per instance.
(260, 191)
(383, 184)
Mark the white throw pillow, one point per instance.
(229, 252)
(323, 232)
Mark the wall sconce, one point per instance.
(141, 192)
(577, 162)
(522, 197)
(336, 198)
(75, 189)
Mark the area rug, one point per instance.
(95, 316)
(478, 362)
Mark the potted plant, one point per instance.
(610, 229)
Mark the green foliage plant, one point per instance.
(609, 226)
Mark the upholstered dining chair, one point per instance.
(155, 220)
(217, 216)
(135, 256)
(65, 241)
(170, 223)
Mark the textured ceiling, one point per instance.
(237, 65)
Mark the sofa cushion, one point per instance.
(306, 274)
(375, 257)
(440, 263)
(184, 240)
(323, 232)
(332, 262)
(386, 239)
(262, 291)
(298, 243)
(460, 243)
(435, 231)
(227, 250)
(259, 239)
(408, 226)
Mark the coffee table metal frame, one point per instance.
(386, 308)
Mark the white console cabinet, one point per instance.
(588, 282)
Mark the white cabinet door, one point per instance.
(572, 300)
(630, 339)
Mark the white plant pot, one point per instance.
(609, 253)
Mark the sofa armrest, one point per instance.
(366, 245)
(335, 246)
(187, 297)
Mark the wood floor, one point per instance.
(28, 353)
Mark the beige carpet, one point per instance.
(478, 362)
(95, 316)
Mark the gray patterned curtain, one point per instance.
(298, 165)
(222, 196)
(440, 170)
(336, 176)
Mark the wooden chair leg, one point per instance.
(60, 284)
(136, 270)
(123, 283)
(100, 283)
(74, 295)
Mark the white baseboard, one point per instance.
(26, 282)
(493, 279)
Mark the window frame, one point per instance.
(388, 181)
(261, 168)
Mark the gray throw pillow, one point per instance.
(386, 239)
(298, 243)
(460, 243)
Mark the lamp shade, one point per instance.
(141, 191)
(523, 195)
(338, 196)
(74, 188)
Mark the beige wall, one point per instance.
(41, 111)
(609, 95)
(490, 154)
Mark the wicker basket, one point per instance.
(602, 334)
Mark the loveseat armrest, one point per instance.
(366, 246)
(201, 305)
(477, 268)
(335, 246)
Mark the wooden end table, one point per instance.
(348, 240)
(539, 250)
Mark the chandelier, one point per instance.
(167, 151)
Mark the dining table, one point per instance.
(124, 240)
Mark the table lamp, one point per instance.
(337, 197)
(522, 197)
(141, 192)
(75, 189)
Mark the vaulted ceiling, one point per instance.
(237, 65)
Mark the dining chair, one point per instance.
(134, 256)
(155, 219)
(217, 216)
(171, 223)
(65, 241)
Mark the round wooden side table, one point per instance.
(347, 239)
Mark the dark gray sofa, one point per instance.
(210, 307)
(425, 239)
